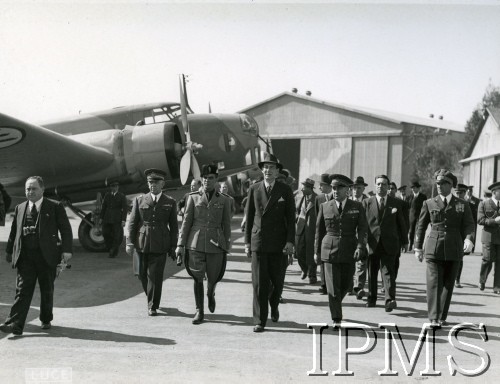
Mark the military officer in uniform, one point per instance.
(341, 232)
(305, 230)
(269, 237)
(489, 217)
(206, 236)
(152, 232)
(451, 234)
(325, 195)
(113, 216)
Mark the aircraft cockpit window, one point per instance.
(248, 157)
(160, 115)
(227, 142)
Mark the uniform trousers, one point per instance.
(113, 236)
(31, 267)
(491, 254)
(338, 283)
(267, 268)
(386, 263)
(440, 277)
(201, 263)
(151, 275)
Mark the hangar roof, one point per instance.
(390, 116)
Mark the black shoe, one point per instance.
(370, 304)
(152, 312)
(198, 318)
(390, 305)
(443, 323)
(336, 323)
(313, 280)
(496, 290)
(282, 300)
(382, 290)
(435, 324)
(111, 255)
(258, 328)
(46, 325)
(303, 276)
(275, 315)
(211, 302)
(9, 328)
(361, 293)
(457, 284)
(351, 293)
(481, 286)
(322, 290)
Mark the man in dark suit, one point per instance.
(415, 201)
(359, 279)
(341, 241)
(269, 237)
(489, 217)
(206, 234)
(387, 235)
(452, 231)
(35, 249)
(152, 233)
(325, 195)
(113, 215)
(305, 230)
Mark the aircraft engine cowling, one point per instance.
(153, 146)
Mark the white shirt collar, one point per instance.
(155, 197)
(448, 198)
(341, 202)
(416, 194)
(266, 184)
(379, 197)
(37, 203)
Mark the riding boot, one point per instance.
(198, 296)
(211, 297)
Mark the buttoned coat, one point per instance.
(52, 222)
(270, 221)
(205, 221)
(391, 230)
(450, 226)
(486, 214)
(338, 235)
(114, 208)
(153, 227)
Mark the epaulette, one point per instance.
(195, 193)
(224, 194)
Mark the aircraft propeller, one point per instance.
(188, 161)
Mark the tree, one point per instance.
(491, 98)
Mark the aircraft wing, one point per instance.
(28, 150)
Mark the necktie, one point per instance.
(340, 208)
(269, 189)
(498, 206)
(381, 209)
(154, 200)
(34, 212)
(445, 202)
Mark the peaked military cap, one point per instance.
(445, 176)
(207, 169)
(494, 186)
(415, 184)
(360, 181)
(325, 178)
(402, 188)
(269, 158)
(155, 174)
(340, 180)
(308, 183)
(461, 188)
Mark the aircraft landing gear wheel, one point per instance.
(90, 237)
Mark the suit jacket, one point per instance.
(270, 221)
(449, 228)
(205, 221)
(474, 207)
(391, 230)
(486, 214)
(52, 222)
(114, 208)
(152, 228)
(305, 228)
(338, 235)
(415, 207)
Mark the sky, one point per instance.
(59, 59)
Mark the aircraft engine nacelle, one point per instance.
(153, 146)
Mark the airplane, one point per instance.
(79, 156)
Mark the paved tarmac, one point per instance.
(101, 332)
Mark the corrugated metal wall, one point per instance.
(489, 140)
(331, 155)
(487, 175)
(369, 158)
(396, 160)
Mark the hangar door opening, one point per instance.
(288, 153)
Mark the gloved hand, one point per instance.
(468, 246)
(316, 258)
(129, 248)
(419, 254)
(248, 250)
(360, 254)
(180, 251)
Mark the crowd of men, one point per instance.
(352, 237)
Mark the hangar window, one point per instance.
(227, 142)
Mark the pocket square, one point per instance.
(394, 210)
(281, 199)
